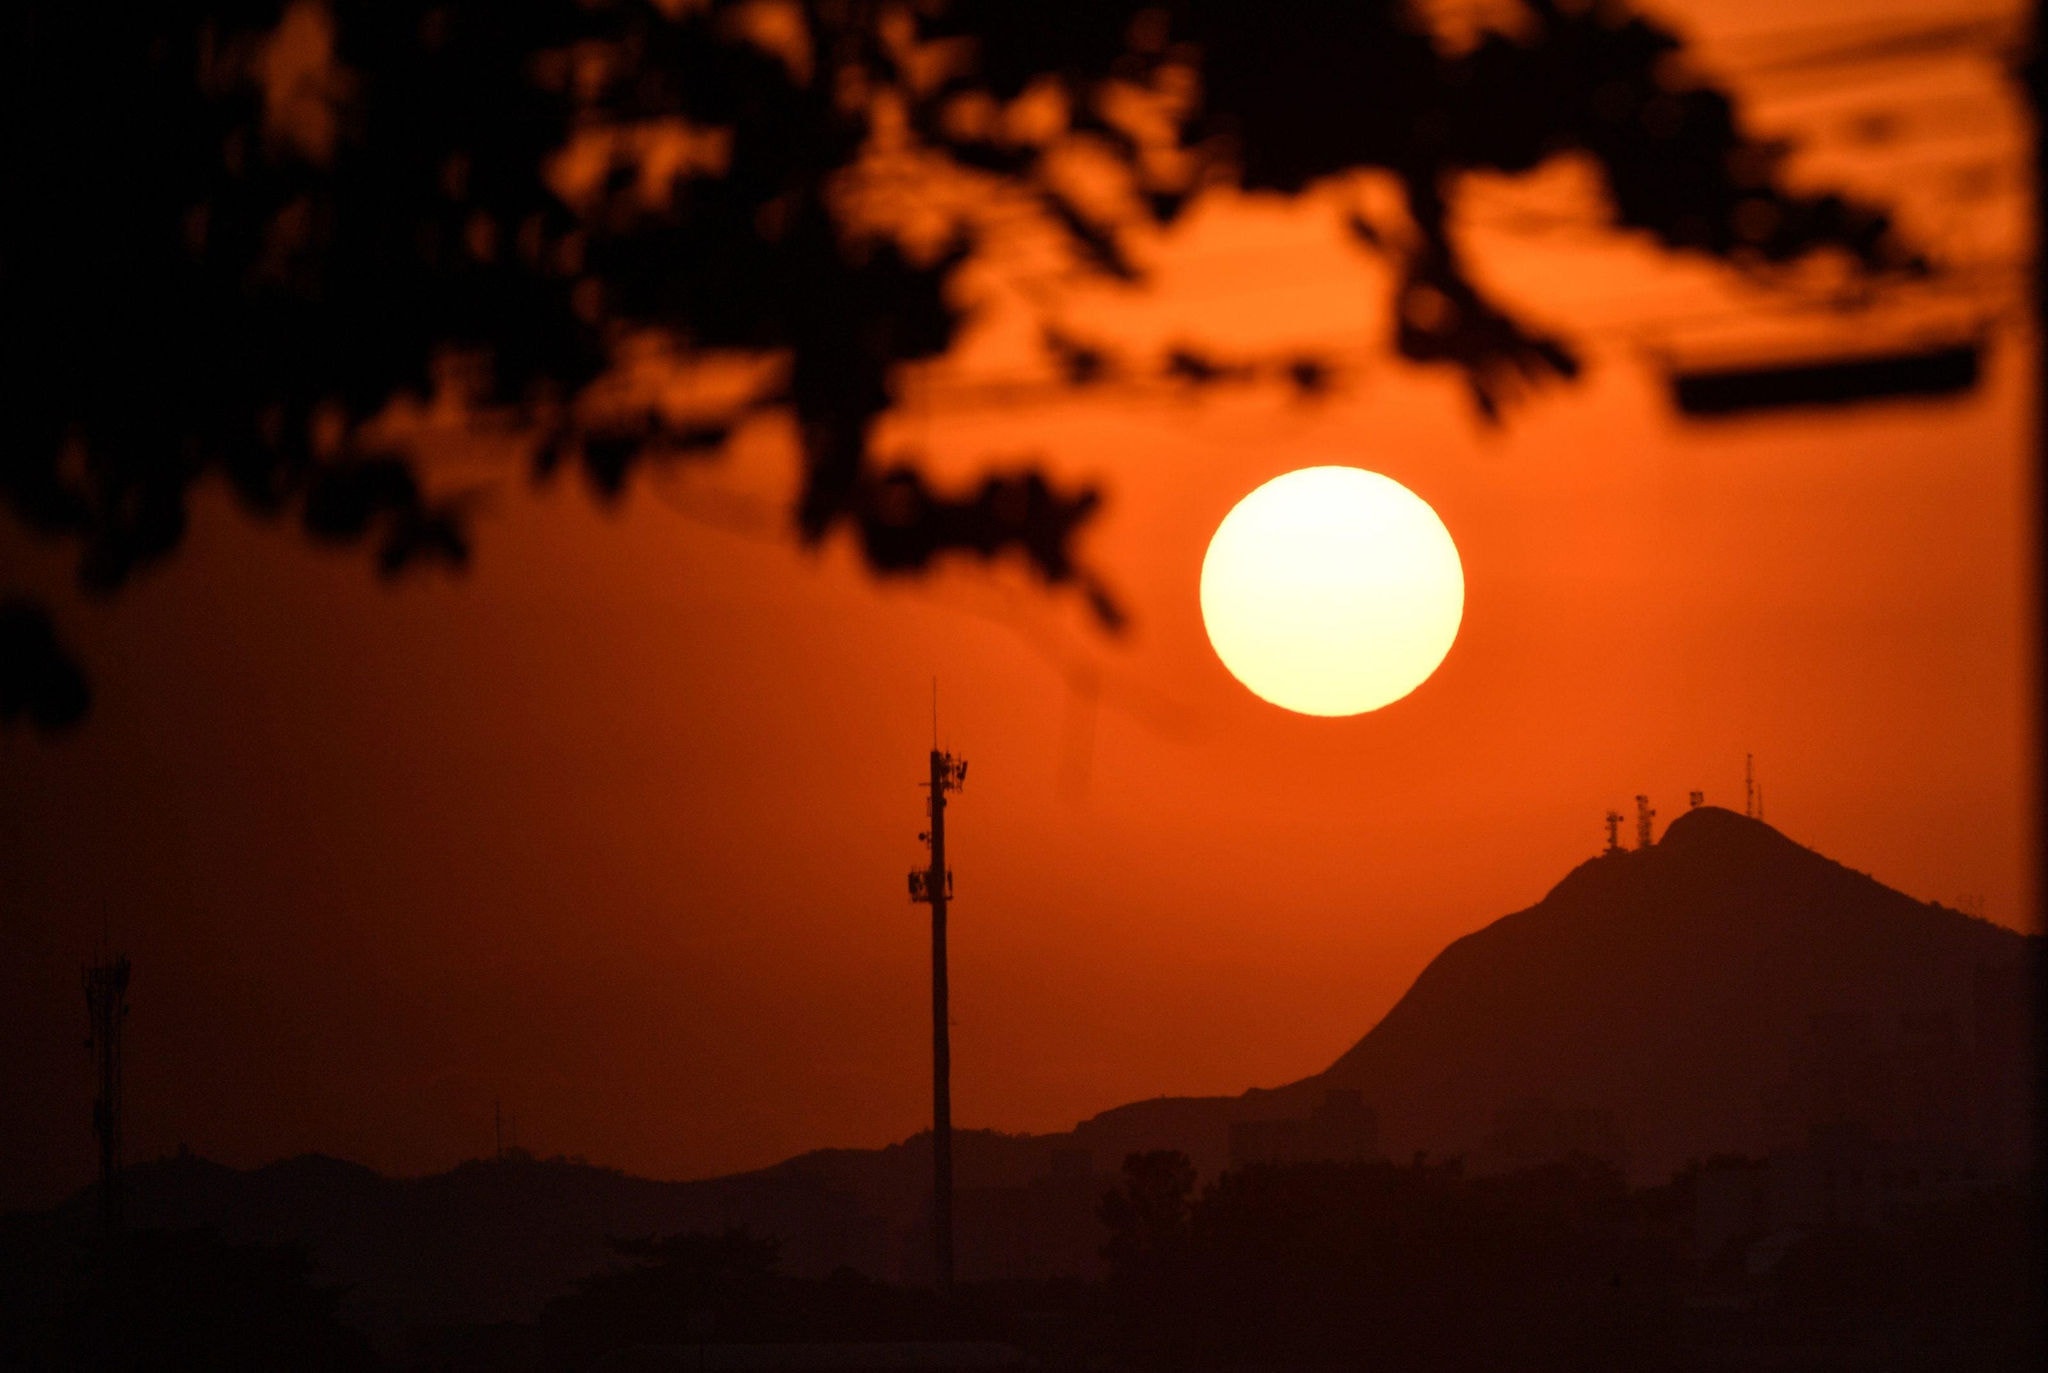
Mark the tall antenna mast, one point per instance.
(1614, 831)
(1644, 815)
(1749, 785)
(933, 886)
(106, 1004)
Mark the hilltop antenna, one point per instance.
(932, 885)
(1749, 785)
(1614, 831)
(106, 1004)
(1694, 800)
(1644, 815)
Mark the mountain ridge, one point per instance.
(1721, 991)
(1681, 986)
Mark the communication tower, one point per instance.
(1614, 831)
(932, 885)
(1749, 785)
(106, 1004)
(1644, 815)
(1695, 800)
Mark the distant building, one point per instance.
(1341, 1129)
(1954, 1068)
(1845, 1176)
(1730, 1202)
(1848, 1176)
(1535, 1132)
(1046, 1228)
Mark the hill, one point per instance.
(1722, 991)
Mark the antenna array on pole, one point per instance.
(1644, 815)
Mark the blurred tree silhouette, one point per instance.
(1332, 1265)
(1147, 1215)
(730, 1289)
(259, 241)
(175, 1300)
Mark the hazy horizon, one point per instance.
(613, 827)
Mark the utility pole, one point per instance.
(106, 1004)
(933, 885)
(2034, 80)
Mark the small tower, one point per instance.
(1614, 831)
(1694, 800)
(1749, 785)
(1644, 815)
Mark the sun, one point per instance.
(1332, 591)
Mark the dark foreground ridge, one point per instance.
(1723, 993)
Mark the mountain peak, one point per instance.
(1706, 993)
(1720, 826)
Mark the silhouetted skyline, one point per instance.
(1720, 1075)
(612, 827)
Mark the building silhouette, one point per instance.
(1340, 1129)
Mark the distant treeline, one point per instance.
(1375, 1265)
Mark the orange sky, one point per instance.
(615, 826)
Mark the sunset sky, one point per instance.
(614, 827)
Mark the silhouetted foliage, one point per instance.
(38, 680)
(263, 243)
(1147, 1215)
(1403, 1267)
(1308, 1265)
(729, 1288)
(1966, 1276)
(1556, 1267)
(177, 1300)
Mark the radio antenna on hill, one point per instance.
(106, 1004)
(1749, 785)
(1614, 831)
(1644, 815)
(932, 885)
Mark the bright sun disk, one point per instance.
(1332, 591)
